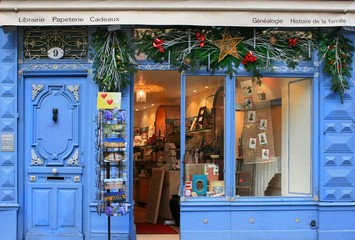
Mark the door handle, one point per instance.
(55, 114)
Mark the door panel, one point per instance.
(56, 125)
(53, 157)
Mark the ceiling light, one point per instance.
(141, 96)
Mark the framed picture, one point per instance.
(199, 184)
(201, 116)
(261, 95)
(263, 124)
(248, 103)
(262, 138)
(265, 154)
(251, 115)
(247, 87)
(252, 143)
(216, 187)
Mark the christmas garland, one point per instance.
(336, 53)
(193, 49)
(113, 60)
(219, 48)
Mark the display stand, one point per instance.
(112, 164)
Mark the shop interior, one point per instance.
(258, 139)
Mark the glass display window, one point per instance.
(204, 141)
(273, 131)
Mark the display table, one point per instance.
(264, 172)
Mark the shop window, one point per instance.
(204, 145)
(273, 130)
(55, 43)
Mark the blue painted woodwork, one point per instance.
(52, 156)
(336, 162)
(8, 115)
(331, 206)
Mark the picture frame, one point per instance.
(248, 103)
(201, 116)
(247, 87)
(252, 143)
(265, 154)
(261, 95)
(251, 115)
(199, 184)
(263, 124)
(262, 138)
(216, 187)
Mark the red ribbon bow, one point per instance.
(292, 42)
(158, 44)
(201, 37)
(250, 57)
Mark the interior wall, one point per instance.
(296, 151)
(145, 118)
(197, 100)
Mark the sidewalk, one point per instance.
(158, 237)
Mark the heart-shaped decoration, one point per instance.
(109, 101)
(103, 95)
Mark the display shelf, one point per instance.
(112, 163)
(199, 130)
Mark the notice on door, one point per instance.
(7, 142)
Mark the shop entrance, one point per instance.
(156, 151)
(53, 157)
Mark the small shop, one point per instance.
(222, 121)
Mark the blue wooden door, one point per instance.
(54, 157)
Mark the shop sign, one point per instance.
(174, 12)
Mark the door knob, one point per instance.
(54, 170)
(55, 114)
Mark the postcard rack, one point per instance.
(112, 164)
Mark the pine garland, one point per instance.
(195, 48)
(113, 61)
(336, 53)
(183, 48)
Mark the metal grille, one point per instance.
(72, 40)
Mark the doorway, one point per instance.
(156, 146)
(53, 157)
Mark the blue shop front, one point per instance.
(231, 128)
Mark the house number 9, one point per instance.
(55, 53)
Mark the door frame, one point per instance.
(88, 87)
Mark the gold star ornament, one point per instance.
(227, 45)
